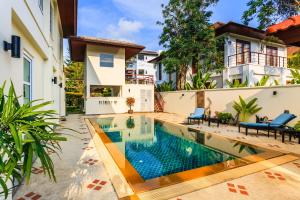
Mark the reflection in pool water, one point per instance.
(157, 149)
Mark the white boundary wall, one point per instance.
(221, 100)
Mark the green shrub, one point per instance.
(26, 132)
(246, 109)
(297, 126)
(225, 117)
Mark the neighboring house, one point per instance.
(32, 32)
(106, 83)
(140, 67)
(248, 55)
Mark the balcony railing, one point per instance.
(256, 58)
(132, 78)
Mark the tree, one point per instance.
(188, 37)
(268, 12)
(74, 84)
(294, 61)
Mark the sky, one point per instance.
(135, 20)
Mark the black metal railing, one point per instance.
(256, 58)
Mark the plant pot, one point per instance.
(130, 111)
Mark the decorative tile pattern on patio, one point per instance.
(96, 184)
(38, 170)
(90, 162)
(30, 195)
(237, 188)
(275, 176)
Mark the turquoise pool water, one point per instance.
(158, 149)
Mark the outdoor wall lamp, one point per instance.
(14, 46)
(182, 95)
(54, 80)
(275, 93)
(129, 90)
(60, 85)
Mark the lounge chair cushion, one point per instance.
(258, 125)
(198, 114)
(282, 119)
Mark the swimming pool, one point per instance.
(148, 149)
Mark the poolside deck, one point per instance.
(81, 173)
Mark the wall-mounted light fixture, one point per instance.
(14, 46)
(129, 90)
(275, 93)
(54, 80)
(60, 85)
(182, 95)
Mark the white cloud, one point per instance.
(125, 29)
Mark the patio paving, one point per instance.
(81, 174)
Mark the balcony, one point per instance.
(256, 58)
(131, 77)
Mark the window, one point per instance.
(243, 54)
(104, 91)
(51, 19)
(27, 64)
(141, 57)
(272, 55)
(106, 60)
(141, 72)
(41, 5)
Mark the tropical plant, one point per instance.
(294, 61)
(297, 126)
(245, 109)
(201, 81)
(26, 132)
(236, 83)
(165, 86)
(263, 81)
(225, 117)
(130, 102)
(269, 12)
(296, 76)
(188, 37)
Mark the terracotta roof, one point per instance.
(287, 31)
(78, 46)
(68, 16)
(286, 24)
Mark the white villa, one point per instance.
(32, 33)
(107, 86)
(139, 66)
(248, 55)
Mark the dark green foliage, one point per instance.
(225, 117)
(26, 132)
(165, 86)
(294, 61)
(268, 12)
(201, 81)
(188, 37)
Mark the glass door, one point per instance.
(27, 65)
(271, 57)
(243, 54)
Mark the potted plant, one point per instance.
(27, 132)
(246, 109)
(130, 102)
(130, 123)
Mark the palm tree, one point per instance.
(296, 76)
(246, 110)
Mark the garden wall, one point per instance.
(273, 100)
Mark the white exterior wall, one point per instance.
(144, 101)
(25, 19)
(113, 76)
